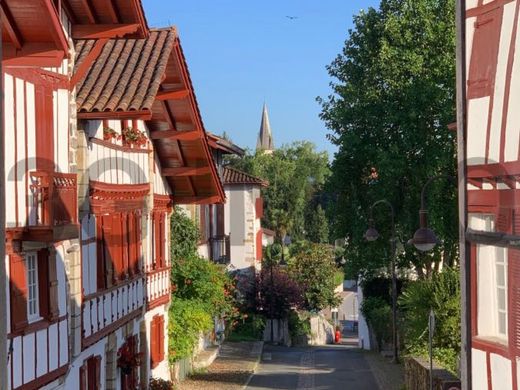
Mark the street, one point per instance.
(323, 368)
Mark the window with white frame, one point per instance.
(33, 310)
(491, 275)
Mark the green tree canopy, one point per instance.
(393, 97)
(296, 174)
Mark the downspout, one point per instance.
(465, 263)
(3, 276)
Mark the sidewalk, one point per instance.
(389, 376)
(230, 370)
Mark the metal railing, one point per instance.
(220, 249)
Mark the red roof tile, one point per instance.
(234, 176)
(127, 74)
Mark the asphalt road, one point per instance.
(316, 368)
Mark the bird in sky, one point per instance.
(291, 17)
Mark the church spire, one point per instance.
(265, 137)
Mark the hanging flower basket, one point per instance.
(127, 359)
(133, 137)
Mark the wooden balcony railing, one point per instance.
(157, 287)
(220, 249)
(54, 199)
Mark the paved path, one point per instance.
(316, 368)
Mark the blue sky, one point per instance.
(242, 52)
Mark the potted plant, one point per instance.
(133, 137)
(110, 134)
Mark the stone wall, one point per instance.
(417, 376)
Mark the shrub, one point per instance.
(378, 315)
(278, 292)
(314, 268)
(442, 294)
(188, 318)
(299, 325)
(161, 384)
(249, 329)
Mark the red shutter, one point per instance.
(114, 247)
(220, 220)
(44, 128)
(18, 286)
(153, 343)
(137, 217)
(160, 339)
(43, 282)
(162, 241)
(125, 245)
(83, 377)
(484, 54)
(54, 310)
(97, 382)
(259, 207)
(103, 226)
(514, 298)
(259, 235)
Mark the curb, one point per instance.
(255, 365)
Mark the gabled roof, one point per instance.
(234, 176)
(126, 74)
(224, 145)
(265, 136)
(148, 79)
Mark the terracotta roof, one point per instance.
(224, 145)
(127, 74)
(234, 176)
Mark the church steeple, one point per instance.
(265, 137)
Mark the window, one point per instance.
(492, 275)
(31, 264)
(90, 374)
(157, 340)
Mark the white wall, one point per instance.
(363, 334)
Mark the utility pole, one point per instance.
(3, 276)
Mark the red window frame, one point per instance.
(156, 340)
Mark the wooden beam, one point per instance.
(172, 95)
(32, 54)
(99, 31)
(57, 30)
(145, 115)
(68, 10)
(90, 12)
(10, 26)
(186, 171)
(192, 135)
(171, 122)
(197, 199)
(87, 62)
(112, 10)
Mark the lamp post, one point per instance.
(424, 239)
(371, 235)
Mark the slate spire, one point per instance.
(265, 137)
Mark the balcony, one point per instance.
(53, 211)
(157, 287)
(220, 249)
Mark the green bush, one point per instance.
(161, 384)
(249, 329)
(299, 324)
(442, 294)
(188, 318)
(378, 315)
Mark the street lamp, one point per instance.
(424, 238)
(371, 235)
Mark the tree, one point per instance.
(314, 268)
(316, 224)
(393, 97)
(279, 293)
(296, 174)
